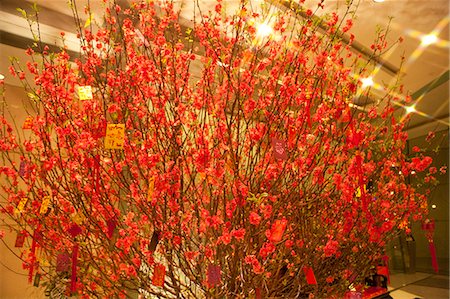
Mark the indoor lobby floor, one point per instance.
(419, 285)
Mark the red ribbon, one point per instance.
(73, 278)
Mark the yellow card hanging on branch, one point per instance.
(358, 191)
(21, 205)
(115, 136)
(85, 93)
(151, 188)
(45, 204)
(28, 123)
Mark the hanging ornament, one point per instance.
(37, 279)
(28, 123)
(277, 230)
(74, 231)
(21, 205)
(279, 149)
(429, 226)
(62, 262)
(115, 136)
(20, 240)
(213, 275)
(37, 237)
(96, 172)
(151, 189)
(159, 274)
(85, 93)
(309, 273)
(73, 277)
(44, 205)
(111, 225)
(22, 168)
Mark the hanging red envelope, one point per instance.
(28, 123)
(74, 230)
(310, 277)
(20, 239)
(279, 149)
(159, 273)
(63, 262)
(111, 225)
(213, 275)
(277, 230)
(22, 167)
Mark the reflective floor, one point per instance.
(419, 285)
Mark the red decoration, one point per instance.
(213, 275)
(111, 225)
(159, 274)
(279, 149)
(434, 262)
(429, 226)
(310, 278)
(75, 230)
(73, 277)
(28, 123)
(276, 232)
(20, 239)
(62, 262)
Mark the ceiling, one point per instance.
(424, 69)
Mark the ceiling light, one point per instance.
(367, 82)
(433, 206)
(428, 39)
(378, 1)
(263, 30)
(410, 109)
(2, 77)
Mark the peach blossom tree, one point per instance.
(224, 159)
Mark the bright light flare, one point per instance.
(2, 77)
(410, 109)
(263, 30)
(428, 39)
(367, 82)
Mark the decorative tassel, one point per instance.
(73, 278)
(213, 275)
(36, 237)
(429, 226)
(434, 262)
(96, 172)
(258, 293)
(111, 224)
